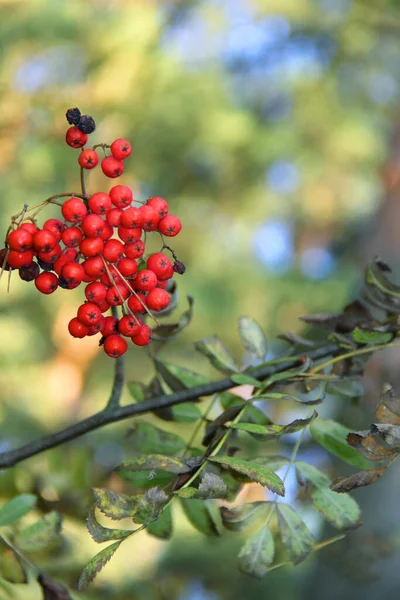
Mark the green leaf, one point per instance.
(185, 376)
(296, 537)
(365, 336)
(37, 536)
(12, 569)
(137, 391)
(253, 338)
(200, 516)
(257, 554)
(162, 527)
(333, 436)
(103, 534)
(252, 470)
(150, 505)
(243, 379)
(340, 510)
(186, 412)
(250, 516)
(113, 505)
(16, 508)
(218, 354)
(95, 565)
(149, 439)
(154, 461)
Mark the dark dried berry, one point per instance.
(86, 124)
(179, 267)
(5, 266)
(73, 115)
(29, 273)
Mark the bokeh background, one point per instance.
(272, 128)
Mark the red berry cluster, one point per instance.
(99, 243)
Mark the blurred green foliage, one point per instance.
(264, 124)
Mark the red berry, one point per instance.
(100, 203)
(47, 283)
(161, 265)
(75, 138)
(157, 299)
(88, 159)
(121, 149)
(16, 260)
(170, 226)
(146, 280)
(55, 226)
(137, 303)
(112, 167)
(134, 250)
(93, 225)
(115, 345)
(129, 325)
(74, 210)
(73, 273)
(89, 314)
(96, 292)
(20, 240)
(127, 267)
(77, 329)
(144, 337)
(149, 218)
(94, 266)
(113, 250)
(113, 217)
(44, 240)
(72, 236)
(110, 326)
(129, 235)
(159, 204)
(121, 196)
(51, 256)
(91, 246)
(131, 218)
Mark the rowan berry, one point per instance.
(134, 249)
(170, 226)
(113, 217)
(88, 159)
(29, 273)
(44, 240)
(91, 246)
(157, 299)
(75, 138)
(73, 272)
(146, 280)
(96, 292)
(20, 240)
(113, 250)
(112, 167)
(131, 218)
(89, 314)
(121, 196)
(127, 266)
(55, 226)
(16, 260)
(137, 303)
(129, 325)
(110, 326)
(47, 283)
(72, 237)
(93, 225)
(149, 218)
(115, 345)
(160, 264)
(144, 337)
(77, 329)
(74, 210)
(131, 234)
(159, 204)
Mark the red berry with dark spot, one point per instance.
(77, 329)
(88, 159)
(47, 283)
(115, 345)
(89, 314)
(157, 299)
(170, 226)
(112, 167)
(121, 149)
(121, 196)
(100, 203)
(75, 138)
(74, 210)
